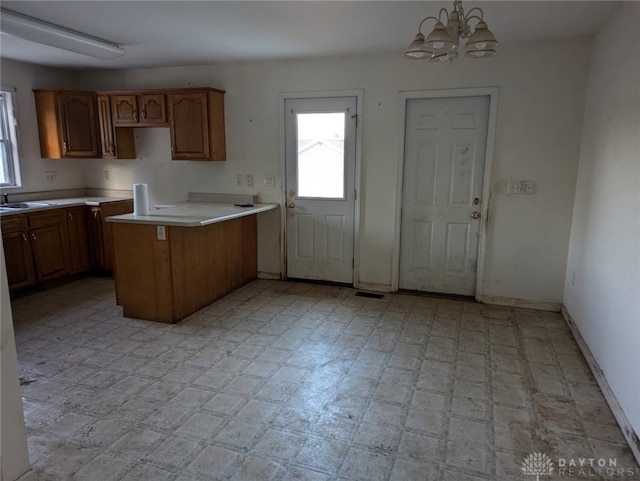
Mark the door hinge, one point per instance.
(355, 116)
(355, 194)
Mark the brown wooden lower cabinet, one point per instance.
(48, 244)
(78, 239)
(17, 252)
(56, 243)
(100, 232)
(169, 279)
(35, 248)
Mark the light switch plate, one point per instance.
(525, 187)
(162, 234)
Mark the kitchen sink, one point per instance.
(25, 205)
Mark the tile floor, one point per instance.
(287, 381)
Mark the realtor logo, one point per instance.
(537, 464)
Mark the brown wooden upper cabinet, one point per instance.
(116, 143)
(132, 109)
(107, 134)
(100, 125)
(67, 123)
(196, 118)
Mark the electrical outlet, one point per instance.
(238, 179)
(269, 180)
(52, 175)
(249, 178)
(107, 175)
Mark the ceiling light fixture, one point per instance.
(39, 31)
(442, 43)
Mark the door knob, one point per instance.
(475, 214)
(291, 205)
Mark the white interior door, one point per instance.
(320, 188)
(445, 145)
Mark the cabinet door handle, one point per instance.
(70, 216)
(33, 236)
(134, 116)
(143, 115)
(24, 237)
(64, 147)
(95, 214)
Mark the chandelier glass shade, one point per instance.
(442, 43)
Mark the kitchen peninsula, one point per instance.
(178, 259)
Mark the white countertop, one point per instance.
(90, 201)
(62, 203)
(192, 214)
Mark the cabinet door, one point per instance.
(96, 238)
(17, 253)
(106, 127)
(189, 125)
(153, 109)
(78, 239)
(107, 210)
(125, 110)
(47, 244)
(78, 124)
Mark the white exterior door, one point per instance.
(320, 188)
(445, 145)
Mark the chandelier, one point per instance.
(441, 44)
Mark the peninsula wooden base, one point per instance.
(168, 280)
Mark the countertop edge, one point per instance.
(64, 204)
(188, 221)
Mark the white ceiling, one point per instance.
(181, 33)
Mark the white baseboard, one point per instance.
(523, 303)
(271, 276)
(370, 286)
(627, 430)
(30, 475)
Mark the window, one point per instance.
(321, 156)
(10, 174)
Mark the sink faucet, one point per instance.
(6, 197)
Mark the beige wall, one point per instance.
(540, 111)
(24, 78)
(540, 107)
(602, 289)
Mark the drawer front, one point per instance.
(13, 223)
(43, 219)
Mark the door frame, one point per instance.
(404, 96)
(282, 98)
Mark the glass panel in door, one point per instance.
(321, 155)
